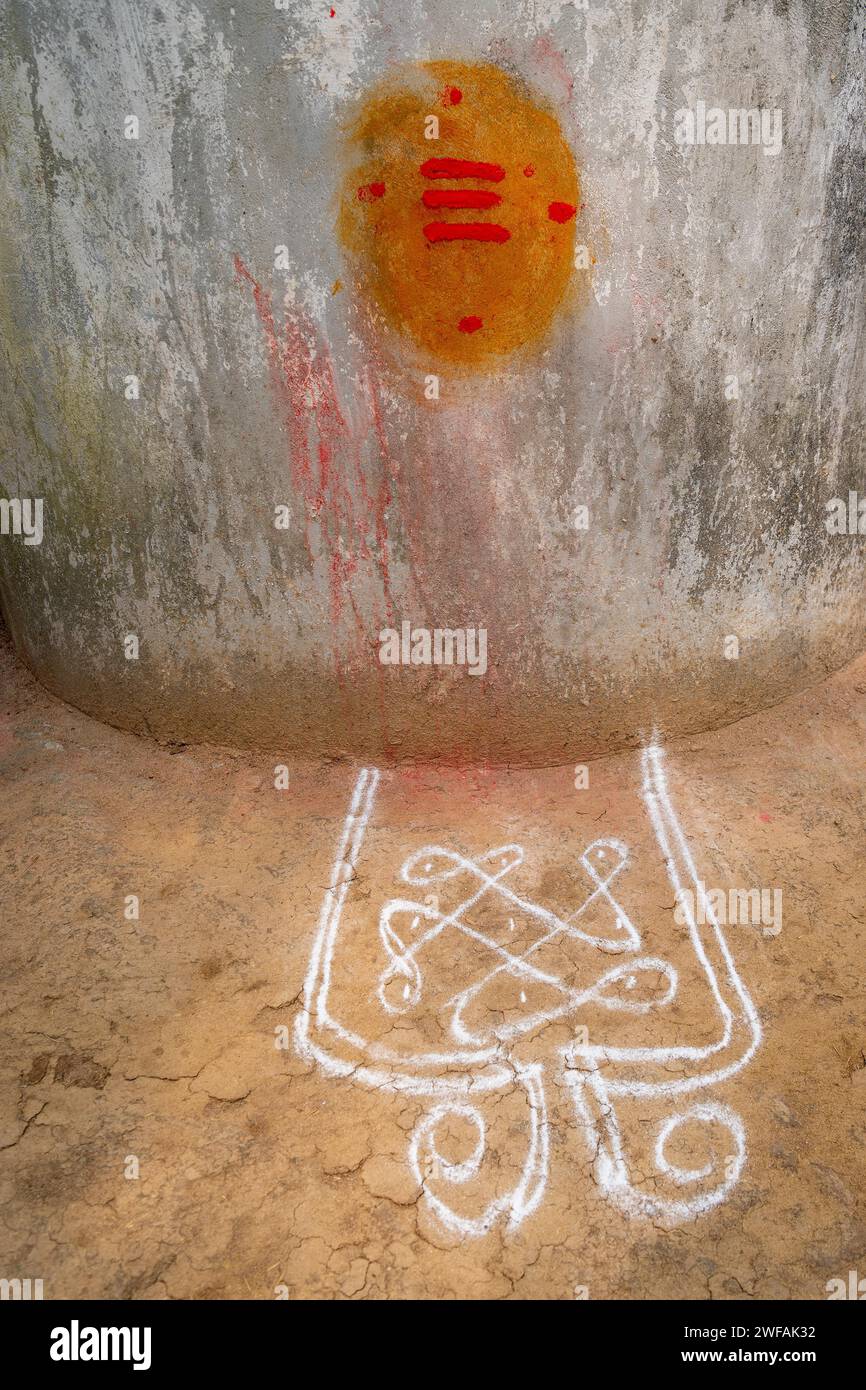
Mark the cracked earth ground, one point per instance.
(149, 1045)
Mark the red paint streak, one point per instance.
(371, 191)
(554, 60)
(416, 536)
(529, 171)
(653, 308)
(561, 212)
(459, 198)
(336, 498)
(452, 96)
(384, 496)
(466, 231)
(462, 169)
(470, 324)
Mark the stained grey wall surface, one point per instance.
(261, 386)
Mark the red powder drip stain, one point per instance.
(332, 13)
(466, 231)
(415, 539)
(470, 324)
(336, 499)
(462, 169)
(551, 58)
(452, 96)
(384, 495)
(561, 212)
(369, 191)
(529, 171)
(459, 198)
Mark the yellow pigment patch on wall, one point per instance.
(465, 243)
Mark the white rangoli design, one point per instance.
(402, 981)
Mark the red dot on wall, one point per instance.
(470, 324)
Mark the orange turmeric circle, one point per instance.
(465, 242)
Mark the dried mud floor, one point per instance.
(164, 1046)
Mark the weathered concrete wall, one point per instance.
(263, 386)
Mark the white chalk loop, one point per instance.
(516, 994)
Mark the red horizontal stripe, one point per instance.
(462, 169)
(466, 231)
(459, 198)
